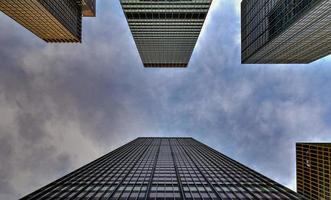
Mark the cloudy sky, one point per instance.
(64, 105)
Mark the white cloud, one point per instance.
(237, 6)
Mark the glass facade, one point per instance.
(53, 21)
(285, 31)
(164, 168)
(314, 170)
(165, 31)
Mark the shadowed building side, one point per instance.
(52, 21)
(164, 168)
(165, 32)
(291, 31)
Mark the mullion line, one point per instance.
(212, 187)
(194, 168)
(140, 154)
(145, 173)
(141, 166)
(153, 171)
(176, 169)
(183, 167)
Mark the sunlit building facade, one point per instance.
(285, 31)
(314, 170)
(164, 168)
(165, 32)
(53, 21)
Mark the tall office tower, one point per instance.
(164, 168)
(165, 32)
(290, 31)
(314, 170)
(53, 21)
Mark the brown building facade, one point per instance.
(52, 21)
(313, 170)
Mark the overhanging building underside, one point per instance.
(165, 31)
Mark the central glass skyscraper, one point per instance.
(164, 168)
(165, 31)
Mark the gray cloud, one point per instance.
(64, 105)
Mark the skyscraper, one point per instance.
(165, 32)
(53, 21)
(314, 170)
(285, 31)
(164, 168)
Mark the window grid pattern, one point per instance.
(291, 31)
(52, 21)
(165, 32)
(163, 168)
(314, 170)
